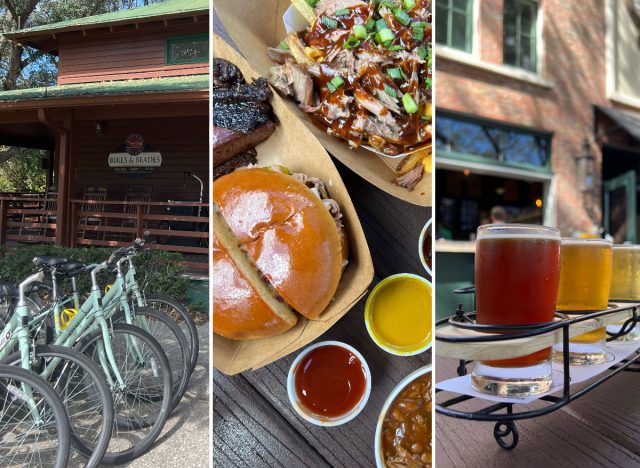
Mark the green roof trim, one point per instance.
(106, 88)
(156, 10)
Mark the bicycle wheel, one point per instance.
(180, 314)
(173, 342)
(142, 406)
(27, 439)
(84, 392)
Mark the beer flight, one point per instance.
(524, 274)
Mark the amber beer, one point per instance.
(517, 272)
(585, 280)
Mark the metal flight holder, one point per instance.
(505, 426)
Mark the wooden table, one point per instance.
(253, 422)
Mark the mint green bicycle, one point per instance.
(134, 365)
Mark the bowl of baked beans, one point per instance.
(403, 433)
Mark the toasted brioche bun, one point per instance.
(243, 307)
(288, 233)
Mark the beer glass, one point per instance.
(517, 272)
(625, 283)
(585, 280)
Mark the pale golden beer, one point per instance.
(585, 274)
(585, 281)
(625, 281)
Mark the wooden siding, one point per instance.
(118, 56)
(182, 142)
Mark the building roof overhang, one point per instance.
(172, 89)
(626, 120)
(45, 37)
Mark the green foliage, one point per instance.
(23, 173)
(157, 271)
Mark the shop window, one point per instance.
(477, 140)
(454, 23)
(188, 49)
(519, 34)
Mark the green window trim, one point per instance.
(171, 41)
(448, 5)
(442, 151)
(521, 34)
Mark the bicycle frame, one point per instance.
(16, 334)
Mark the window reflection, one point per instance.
(459, 135)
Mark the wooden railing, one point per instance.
(25, 219)
(173, 226)
(117, 223)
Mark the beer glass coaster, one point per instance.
(617, 351)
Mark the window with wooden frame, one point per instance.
(472, 139)
(519, 47)
(454, 24)
(187, 49)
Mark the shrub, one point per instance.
(157, 270)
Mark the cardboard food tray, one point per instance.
(293, 146)
(255, 26)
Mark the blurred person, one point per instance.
(498, 215)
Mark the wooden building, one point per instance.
(126, 128)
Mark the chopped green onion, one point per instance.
(283, 45)
(395, 73)
(429, 56)
(330, 22)
(418, 30)
(408, 4)
(385, 35)
(421, 52)
(388, 4)
(342, 12)
(360, 31)
(395, 48)
(381, 24)
(351, 43)
(370, 24)
(425, 117)
(428, 81)
(402, 17)
(389, 90)
(335, 83)
(409, 104)
(313, 3)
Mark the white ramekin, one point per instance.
(314, 418)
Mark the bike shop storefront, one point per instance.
(118, 166)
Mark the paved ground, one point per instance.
(185, 439)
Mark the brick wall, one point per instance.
(574, 62)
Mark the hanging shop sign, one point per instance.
(135, 156)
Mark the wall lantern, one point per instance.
(586, 168)
(101, 128)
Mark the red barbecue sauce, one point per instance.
(330, 381)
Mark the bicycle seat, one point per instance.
(9, 290)
(72, 267)
(50, 261)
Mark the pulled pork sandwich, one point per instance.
(279, 248)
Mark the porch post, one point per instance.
(4, 205)
(64, 156)
(62, 221)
